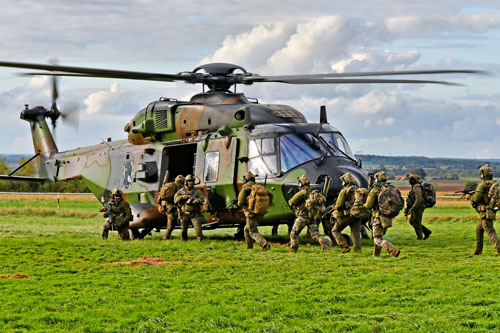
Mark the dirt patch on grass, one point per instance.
(15, 276)
(147, 260)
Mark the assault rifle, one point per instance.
(328, 212)
(467, 191)
(108, 213)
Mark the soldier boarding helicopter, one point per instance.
(218, 136)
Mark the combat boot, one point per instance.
(324, 245)
(427, 233)
(478, 252)
(105, 235)
(293, 249)
(394, 253)
(200, 238)
(266, 247)
(376, 251)
(345, 250)
(249, 242)
(168, 233)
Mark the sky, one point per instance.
(268, 38)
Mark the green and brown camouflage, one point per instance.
(217, 136)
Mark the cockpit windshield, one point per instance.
(338, 144)
(298, 148)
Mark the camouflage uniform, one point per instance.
(298, 203)
(168, 206)
(480, 201)
(189, 199)
(251, 231)
(343, 217)
(379, 222)
(415, 206)
(120, 213)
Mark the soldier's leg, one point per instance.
(274, 231)
(479, 238)
(340, 225)
(184, 227)
(171, 223)
(105, 230)
(196, 221)
(380, 242)
(298, 225)
(246, 233)
(491, 233)
(363, 232)
(416, 222)
(356, 234)
(253, 231)
(312, 229)
(123, 232)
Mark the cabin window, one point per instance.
(262, 157)
(296, 149)
(211, 170)
(127, 175)
(338, 144)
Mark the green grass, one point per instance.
(73, 285)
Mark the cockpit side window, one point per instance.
(337, 143)
(262, 157)
(296, 149)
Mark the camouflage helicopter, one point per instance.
(218, 135)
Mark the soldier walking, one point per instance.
(379, 222)
(342, 215)
(189, 200)
(415, 206)
(167, 205)
(255, 200)
(118, 214)
(302, 204)
(480, 200)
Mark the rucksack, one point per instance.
(429, 195)
(167, 192)
(494, 195)
(258, 200)
(358, 209)
(390, 201)
(315, 204)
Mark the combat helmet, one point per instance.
(413, 178)
(116, 192)
(179, 179)
(248, 177)
(303, 181)
(348, 179)
(189, 178)
(380, 177)
(486, 172)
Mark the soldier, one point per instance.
(379, 222)
(342, 214)
(415, 206)
(167, 206)
(118, 214)
(298, 203)
(189, 199)
(251, 232)
(480, 201)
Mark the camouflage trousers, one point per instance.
(355, 226)
(378, 236)
(195, 219)
(172, 219)
(416, 222)
(251, 231)
(483, 225)
(312, 228)
(122, 231)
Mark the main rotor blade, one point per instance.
(257, 78)
(347, 81)
(96, 72)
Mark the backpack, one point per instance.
(494, 195)
(258, 200)
(429, 195)
(315, 204)
(167, 192)
(390, 201)
(358, 209)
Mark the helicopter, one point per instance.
(218, 135)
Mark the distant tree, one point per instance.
(28, 169)
(3, 166)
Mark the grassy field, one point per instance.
(58, 275)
